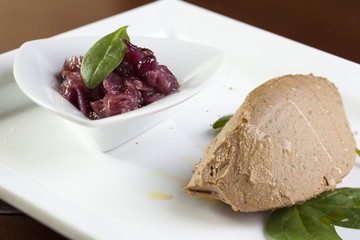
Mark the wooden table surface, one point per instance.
(330, 25)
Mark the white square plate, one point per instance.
(48, 173)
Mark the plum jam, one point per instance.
(136, 82)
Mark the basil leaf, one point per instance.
(298, 223)
(103, 57)
(315, 219)
(341, 206)
(221, 121)
(357, 151)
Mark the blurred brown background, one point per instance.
(23, 20)
(329, 25)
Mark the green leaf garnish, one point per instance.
(221, 121)
(103, 57)
(357, 151)
(315, 219)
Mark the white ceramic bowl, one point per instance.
(38, 63)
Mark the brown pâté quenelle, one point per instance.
(288, 142)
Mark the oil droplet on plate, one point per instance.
(165, 175)
(160, 195)
(209, 200)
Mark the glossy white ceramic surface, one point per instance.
(86, 194)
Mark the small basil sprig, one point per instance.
(103, 57)
(221, 121)
(315, 219)
(357, 151)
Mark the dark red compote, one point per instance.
(138, 81)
